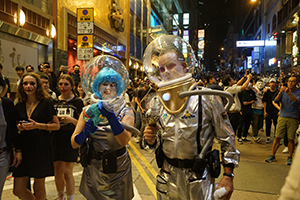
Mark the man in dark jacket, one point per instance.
(248, 98)
(212, 83)
(9, 139)
(76, 74)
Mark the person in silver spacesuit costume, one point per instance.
(108, 173)
(188, 127)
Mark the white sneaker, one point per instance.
(285, 150)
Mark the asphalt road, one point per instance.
(254, 178)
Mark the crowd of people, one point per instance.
(50, 111)
(45, 108)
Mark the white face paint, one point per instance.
(260, 85)
(108, 90)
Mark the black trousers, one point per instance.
(234, 119)
(271, 117)
(244, 125)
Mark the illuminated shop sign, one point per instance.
(249, 62)
(272, 61)
(255, 43)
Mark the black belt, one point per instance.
(3, 149)
(186, 163)
(234, 111)
(98, 155)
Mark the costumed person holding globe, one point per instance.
(107, 172)
(189, 125)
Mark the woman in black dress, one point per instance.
(68, 109)
(36, 118)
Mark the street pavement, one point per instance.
(254, 178)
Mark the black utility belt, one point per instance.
(99, 155)
(185, 163)
(3, 149)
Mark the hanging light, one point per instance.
(22, 18)
(15, 18)
(53, 31)
(130, 62)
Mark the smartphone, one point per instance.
(23, 122)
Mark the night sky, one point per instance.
(215, 16)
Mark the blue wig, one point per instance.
(108, 75)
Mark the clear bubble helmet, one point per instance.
(107, 69)
(169, 62)
(165, 52)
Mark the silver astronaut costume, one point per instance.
(95, 183)
(179, 129)
(179, 141)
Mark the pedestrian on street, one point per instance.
(68, 108)
(248, 98)
(36, 119)
(288, 119)
(107, 171)
(81, 94)
(270, 111)
(187, 126)
(212, 83)
(9, 139)
(234, 89)
(258, 110)
(76, 74)
(45, 81)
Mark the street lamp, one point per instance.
(22, 18)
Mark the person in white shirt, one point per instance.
(234, 89)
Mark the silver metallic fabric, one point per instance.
(95, 184)
(179, 183)
(179, 141)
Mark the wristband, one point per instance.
(229, 165)
(18, 150)
(231, 175)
